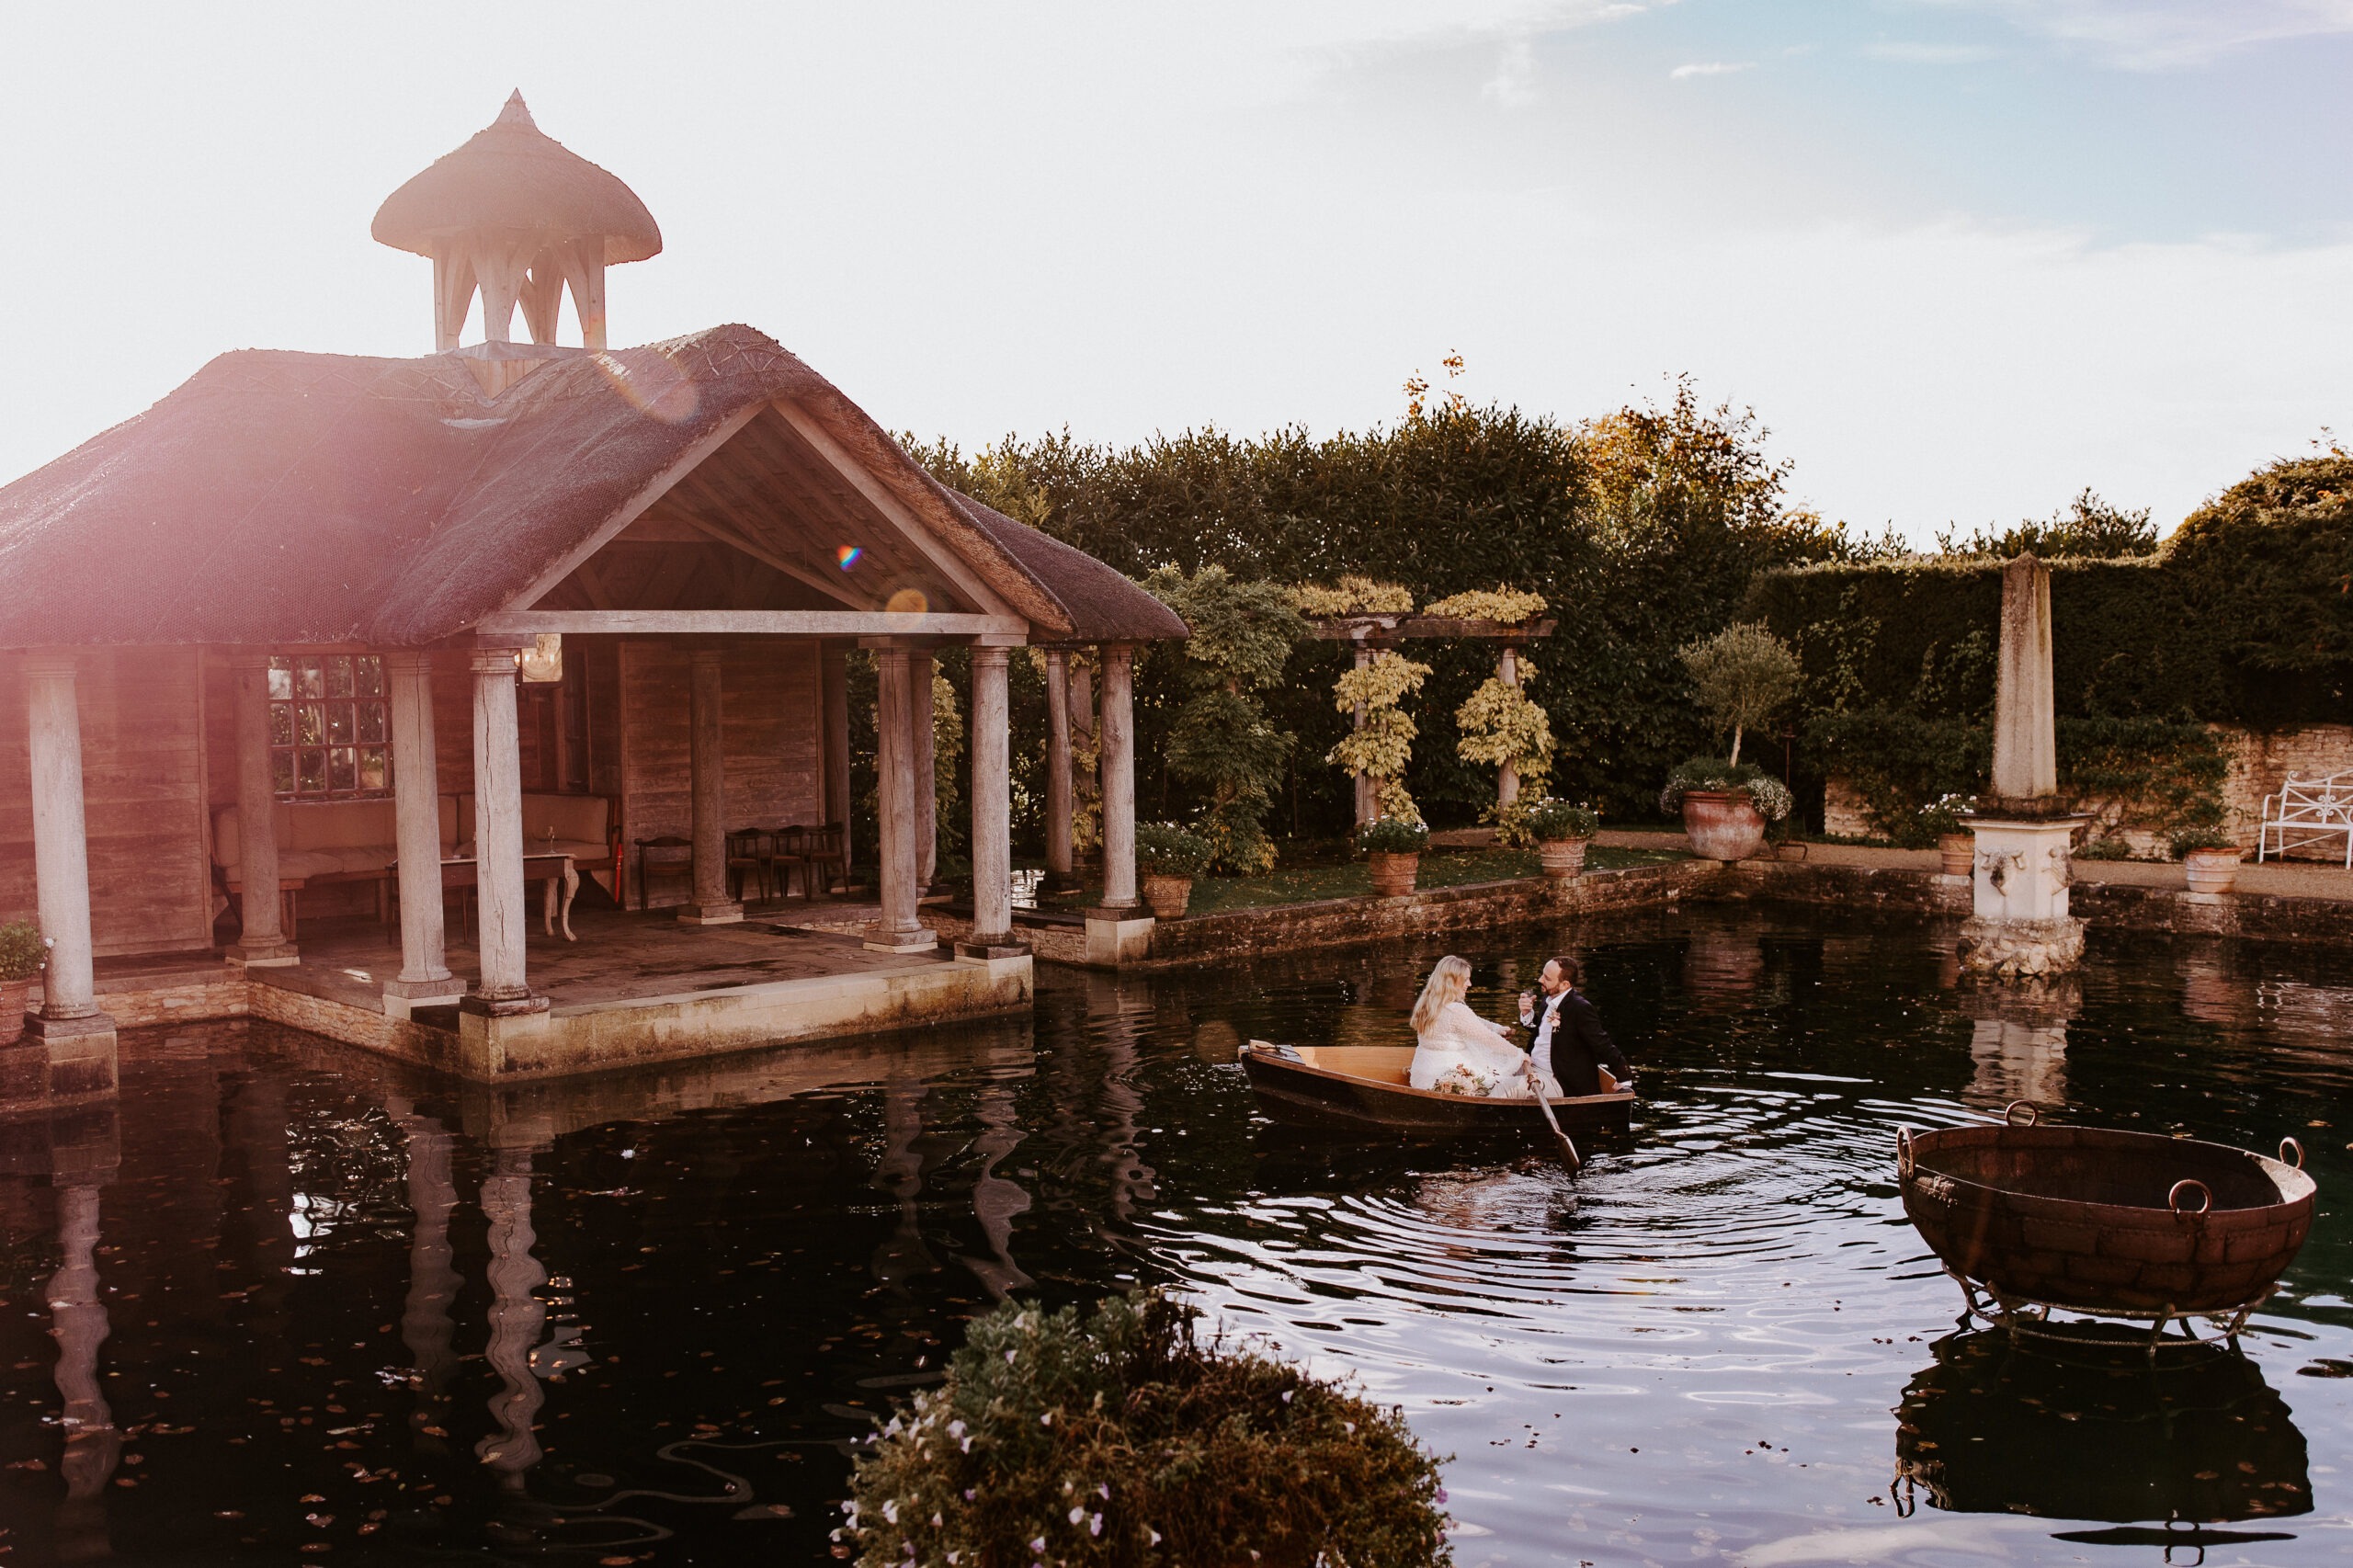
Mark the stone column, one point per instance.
(498, 839)
(900, 928)
(516, 1316)
(424, 974)
(2026, 745)
(1060, 876)
(836, 663)
(260, 942)
(920, 670)
(78, 1323)
(1119, 731)
(79, 1060)
(427, 1328)
(1508, 778)
(992, 809)
(711, 906)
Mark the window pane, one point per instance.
(369, 673)
(342, 768)
(281, 680)
(340, 676)
(314, 723)
(371, 723)
(343, 728)
(315, 772)
(313, 681)
(375, 767)
(281, 723)
(281, 772)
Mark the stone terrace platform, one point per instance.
(636, 987)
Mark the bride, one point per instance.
(1460, 1052)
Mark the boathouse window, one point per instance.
(330, 730)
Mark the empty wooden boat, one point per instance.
(1363, 1088)
(2115, 1225)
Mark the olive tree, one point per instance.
(1741, 675)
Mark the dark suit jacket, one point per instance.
(1579, 1043)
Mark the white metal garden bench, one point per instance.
(2314, 809)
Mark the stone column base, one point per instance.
(986, 948)
(263, 955)
(62, 1060)
(727, 913)
(403, 998)
(922, 939)
(2021, 950)
(493, 1030)
(1115, 937)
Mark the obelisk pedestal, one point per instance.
(2018, 927)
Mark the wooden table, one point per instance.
(556, 872)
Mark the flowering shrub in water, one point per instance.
(1120, 1439)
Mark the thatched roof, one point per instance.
(512, 177)
(284, 497)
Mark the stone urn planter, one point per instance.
(1723, 825)
(1167, 895)
(1959, 851)
(1562, 858)
(1393, 874)
(2212, 870)
(14, 995)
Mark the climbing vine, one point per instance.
(1354, 595)
(1503, 728)
(1241, 636)
(1505, 605)
(1382, 749)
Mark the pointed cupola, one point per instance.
(516, 216)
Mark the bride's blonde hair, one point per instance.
(1450, 981)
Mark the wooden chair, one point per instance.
(668, 855)
(824, 853)
(750, 860)
(786, 852)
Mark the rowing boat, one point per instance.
(1363, 1088)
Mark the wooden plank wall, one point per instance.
(143, 786)
(774, 737)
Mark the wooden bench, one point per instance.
(323, 842)
(2314, 809)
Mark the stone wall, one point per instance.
(2257, 765)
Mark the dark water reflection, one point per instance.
(289, 1302)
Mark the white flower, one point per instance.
(890, 1510)
(1094, 1524)
(955, 1428)
(1077, 1513)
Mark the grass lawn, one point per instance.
(1440, 868)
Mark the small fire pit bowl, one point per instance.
(2115, 1225)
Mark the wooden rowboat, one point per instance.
(1363, 1088)
(2115, 1225)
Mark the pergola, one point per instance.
(1368, 634)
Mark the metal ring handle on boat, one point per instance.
(1903, 1153)
(2189, 1184)
(2033, 1113)
(2288, 1146)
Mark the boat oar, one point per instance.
(1568, 1150)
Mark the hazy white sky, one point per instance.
(1963, 256)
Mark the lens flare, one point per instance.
(908, 601)
(846, 556)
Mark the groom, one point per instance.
(1569, 1042)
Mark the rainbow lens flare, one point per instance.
(846, 556)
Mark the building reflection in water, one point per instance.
(78, 1323)
(2018, 1044)
(516, 1316)
(2101, 1435)
(1722, 965)
(997, 1201)
(1120, 1012)
(902, 1255)
(427, 1327)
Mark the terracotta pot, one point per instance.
(1167, 895)
(1562, 858)
(1721, 825)
(13, 994)
(1392, 875)
(1959, 852)
(2212, 870)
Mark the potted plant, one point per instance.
(22, 952)
(1941, 819)
(1724, 806)
(2208, 857)
(1170, 858)
(1562, 833)
(1392, 851)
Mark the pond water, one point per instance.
(335, 1311)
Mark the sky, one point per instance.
(1964, 257)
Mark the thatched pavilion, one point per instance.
(318, 634)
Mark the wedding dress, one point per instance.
(1465, 1054)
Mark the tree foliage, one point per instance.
(1243, 634)
(2086, 529)
(1741, 675)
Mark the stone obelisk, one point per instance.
(2019, 928)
